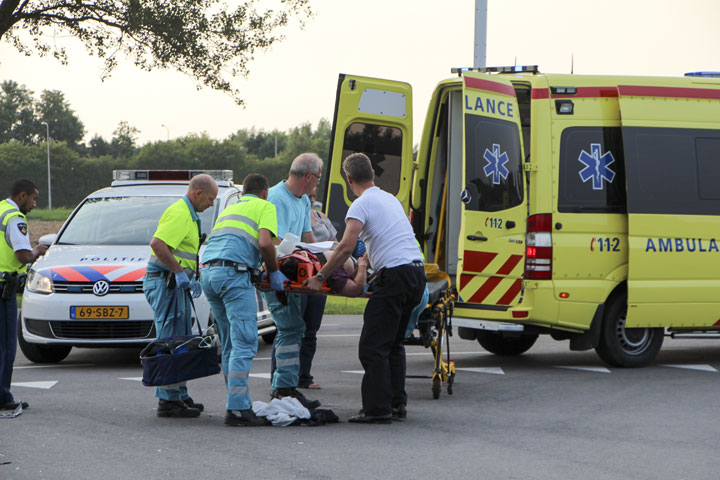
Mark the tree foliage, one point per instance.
(202, 38)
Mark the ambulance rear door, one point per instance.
(671, 139)
(492, 234)
(372, 116)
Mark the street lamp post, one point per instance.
(168, 131)
(47, 129)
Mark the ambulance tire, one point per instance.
(42, 353)
(626, 347)
(505, 346)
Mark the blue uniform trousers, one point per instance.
(290, 329)
(234, 307)
(8, 346)
(166, 317)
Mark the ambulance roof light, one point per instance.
(169, 175)
(703, 74)
(506, 69)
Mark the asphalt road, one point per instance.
(550, 413)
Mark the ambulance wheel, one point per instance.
(42, 353)
(495, 343)
(626, 347)
(269, 338)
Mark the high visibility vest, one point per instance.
(186, 252)
(8, 260)
(242, 219)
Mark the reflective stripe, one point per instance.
(239, 390)
(185, 255)
(239, 374)
(284, 362)
(236, 231)
(239, 218)
(287, 349)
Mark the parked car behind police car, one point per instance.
(87, 289)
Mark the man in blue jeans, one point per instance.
(243, 234)
(15, 254)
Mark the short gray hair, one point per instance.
(306, 163)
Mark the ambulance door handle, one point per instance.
(476, 238)
(510, 224)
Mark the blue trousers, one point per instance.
(8, 346)
(234, 306)
(166, 317)
(290, 329)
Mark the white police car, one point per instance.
(86, 291)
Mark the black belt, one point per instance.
(227, 263)
(156, 274)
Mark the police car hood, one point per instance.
(90, 263)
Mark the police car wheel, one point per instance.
(42, 353)
(505, 346)
(269, 338)
(626, 347)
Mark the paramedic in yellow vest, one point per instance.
(170, 275)
(15, 254)
(242, 236)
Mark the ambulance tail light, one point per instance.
(538, 250)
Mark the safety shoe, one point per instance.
(192, 404)
(176, 409)
(362, 418)
(244, 418)
(14, 405)
(399, 412)
(293, 392)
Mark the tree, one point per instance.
(65, 126)
(124, 138)
(17, 114)
(202, 38)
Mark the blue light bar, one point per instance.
(703, 74)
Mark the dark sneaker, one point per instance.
(176, 409)
(399, 412)
(244, 418)
(293, 392)
(192, 404)
(14, 405)
(362, 418)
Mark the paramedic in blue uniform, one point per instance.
(379, 219)
(243, 234)
(15, 254)
(170, 275)
(290, 197)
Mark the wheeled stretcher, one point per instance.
(434, 325)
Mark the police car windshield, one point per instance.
(121, 221)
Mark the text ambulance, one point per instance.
(584, 207)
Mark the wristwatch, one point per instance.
(320, 276)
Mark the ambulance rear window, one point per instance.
(493, 167)
(383, 145)
(592, 170)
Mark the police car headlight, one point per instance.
(38, 283)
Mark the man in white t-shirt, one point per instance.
(379, 219)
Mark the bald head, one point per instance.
(202, 192)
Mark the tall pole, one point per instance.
(47, 130)
(168, 131)
(480, 33)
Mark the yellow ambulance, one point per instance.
(583, 207)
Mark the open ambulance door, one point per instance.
(492, 234)
(374, 117)
(671, 139)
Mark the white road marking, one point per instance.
(699, 367)
(43, 385)
(356, 372)
(341, 335)
(452, 354)
(261, 375)
(493, 370)
(56, 366)
(585, 369)
(133, 379)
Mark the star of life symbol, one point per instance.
(496, 164)
(596, 166)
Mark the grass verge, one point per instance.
(344, 305)
(58, 214)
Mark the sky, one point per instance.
(417, 41)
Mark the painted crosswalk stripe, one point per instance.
(585, 369)
(699, 367)
(493, 370)
(43, 385)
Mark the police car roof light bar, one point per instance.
(506, 69)
(169, 175)
(703, 74)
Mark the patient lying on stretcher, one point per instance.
(348, 281)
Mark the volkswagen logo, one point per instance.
(101, 288)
